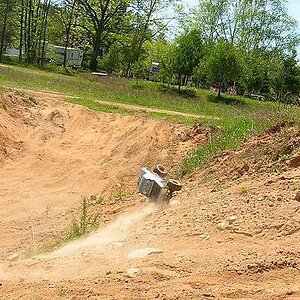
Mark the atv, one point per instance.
(154, 186)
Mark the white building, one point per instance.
(56, 54)
(12, 52)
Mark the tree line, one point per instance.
(247, 45)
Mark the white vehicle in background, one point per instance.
(257, 97)
(154, 186)
(154, 70)
(12, 52)
(57, 53)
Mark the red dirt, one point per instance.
(52, 153)
(231, 234)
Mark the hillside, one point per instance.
(230, 234)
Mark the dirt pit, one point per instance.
(233, 233)
(52, 153)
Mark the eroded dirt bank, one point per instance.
(52, 153)
(233, 233)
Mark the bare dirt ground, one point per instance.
(231, 234)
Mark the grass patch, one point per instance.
(121, 193)
(2, 89)
(122, 90)
(93, 105)
(235, 132)
(173, 118)
(87, 220)
(244, 190)
(230, 138)
(229, 100)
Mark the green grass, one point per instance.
(231, 137)
(120, 90)
(87, 220)
(91, 104)
(239, 117)
(173, 118)
(2, 89)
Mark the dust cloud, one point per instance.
(115, 232)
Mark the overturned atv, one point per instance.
(154, 186)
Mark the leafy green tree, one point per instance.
(147, 22)
(139, 70)
(162, 52)
(112, 60)
(284, 78)
(189, 50)
(67, 15)
(33, 29)
(224, 65)
(106, 17)
(252, 25)
(6, 25)
(255, 76)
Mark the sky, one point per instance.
(293, 8)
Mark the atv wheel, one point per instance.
(174, 185)
(161, 171)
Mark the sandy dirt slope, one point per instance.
(233, 233)
(52, 153)
(207, 244)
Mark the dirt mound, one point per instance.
(55, 153)
(233, 232)
(274, 151)
(13, 111)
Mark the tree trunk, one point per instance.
(68, 31)
(96, 53)
(45, 31)
(219, 91)
(21, 32)
(4, 31)
(25, 28)
(29, 32)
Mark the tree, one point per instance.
(67, 15)
(6, 10)
(162, 52)
(251, 25)
(111, 61)
(284, 78)
(146, 25)
(223, 65)
(139, 70)
(255, 76)
(33, 29)
(189, 50)
(106, 17)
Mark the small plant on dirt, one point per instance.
(19, 93)
(277, 169)
(87, 219)
(121, 193)
(218, 186)
(244, 191)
